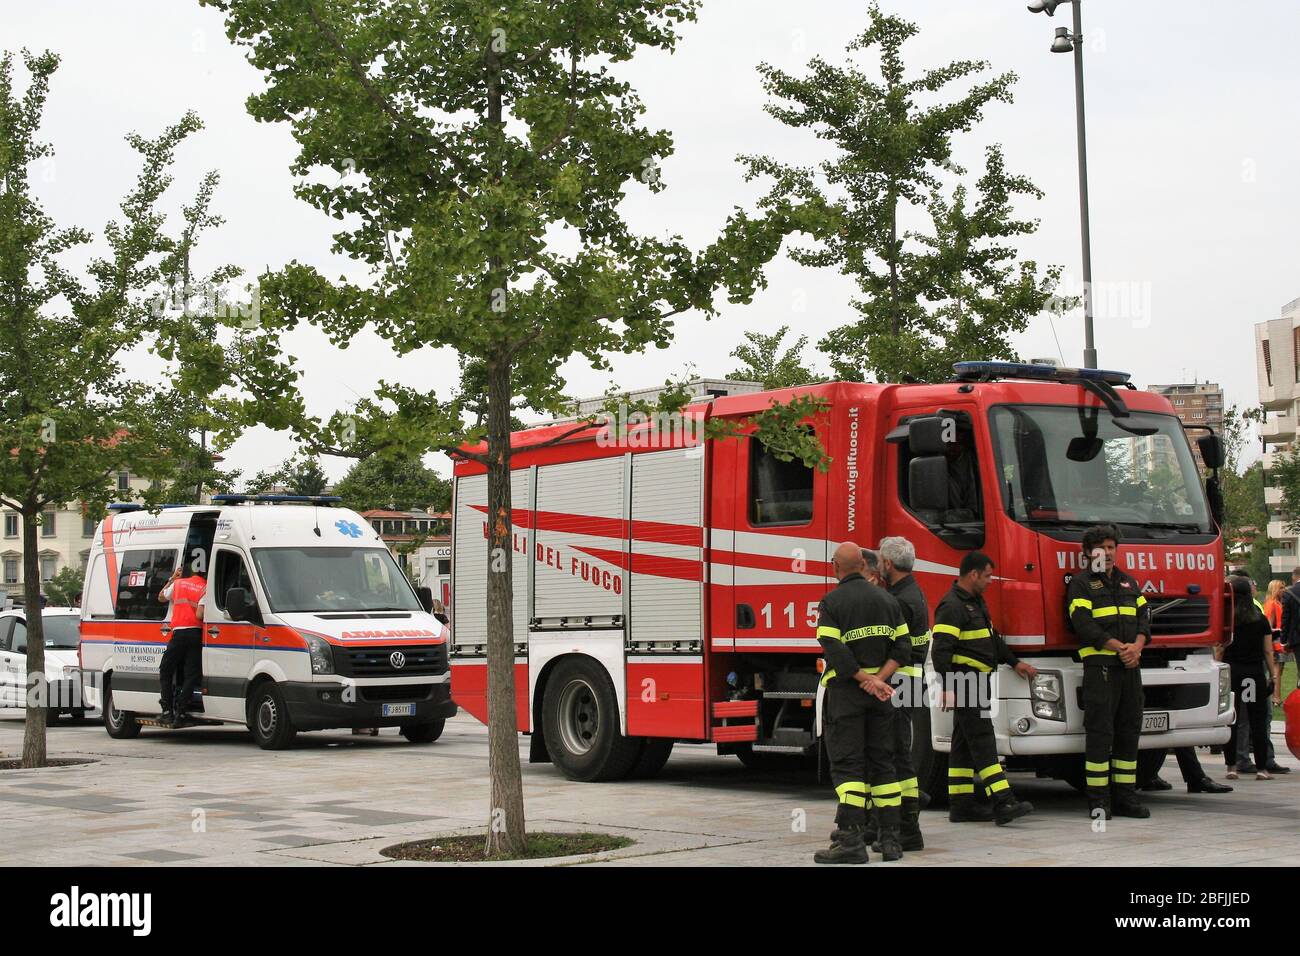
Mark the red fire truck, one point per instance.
(666, 585)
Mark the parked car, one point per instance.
(62, 627)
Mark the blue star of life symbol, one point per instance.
(348, 528)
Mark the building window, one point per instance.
(11, 525)
(49, 563)
(11, 570)
(123, 481)
(47, 525)
(88, 526)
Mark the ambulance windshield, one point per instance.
(1067, 466)
(333, 579)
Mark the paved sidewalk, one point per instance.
(210, 797)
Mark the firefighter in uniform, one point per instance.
(1109, 616)
(864, 638)
(966, 651)
(896, 557)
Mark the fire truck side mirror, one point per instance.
(930, 435)
(927, 481)
(1211, 448)
(425, 594)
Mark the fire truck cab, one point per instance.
(666, 585)
(308, 622)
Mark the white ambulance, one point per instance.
(308, 622)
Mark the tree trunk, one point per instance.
(894, 310)
(506, 834)
(34, 754)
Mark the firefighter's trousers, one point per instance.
(859, 735)
(974, 752)
(1112, 719)
(909, 693)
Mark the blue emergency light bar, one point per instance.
(276, 499)
(986, 371)
(122, 506)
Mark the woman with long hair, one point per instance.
(1248, 656)
(1273, 603)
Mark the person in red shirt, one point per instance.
(184, 646)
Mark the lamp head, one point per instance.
(1045, 6)
(1063, 43)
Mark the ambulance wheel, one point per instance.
(268, 717)
(120, 724)
(424, 733)
(580, 718)
(654, 755)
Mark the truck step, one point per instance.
(735, 708)
(735, 732)
(789, 695)
(192, 722)
(777, 749)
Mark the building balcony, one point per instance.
(1277, 530)
(1282, 566)
(1277, 428)
(1272, 496)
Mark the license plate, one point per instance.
(407, 710)
(1155, 722)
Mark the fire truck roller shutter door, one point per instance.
(665, 669)
(469, 592)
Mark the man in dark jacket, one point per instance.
(865, 640)
(1110, 619)
(966, 651)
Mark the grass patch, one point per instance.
(1288, 685)
(469, 849)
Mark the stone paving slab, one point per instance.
(210, 797)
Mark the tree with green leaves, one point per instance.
(765, 360)
(299, 475)
(929, 298)
(404, 485)
(63, 589)
(477, 154)
(70, 415)
(1245, 514)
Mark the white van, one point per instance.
(308, 623)
(61, 664)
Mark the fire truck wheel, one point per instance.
(268, 717)
(120, 724)
(424, 733)
(653, 757)
(580, 717)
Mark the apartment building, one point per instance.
(65, 536)
(1277, 370)
(1197, 403)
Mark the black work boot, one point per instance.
(890, 848)
(847, 846)
(1098, 806)
(1007, 808)
(166, 718)
(871, 832)
(964, 809)
(1127, 805)
(909, 833)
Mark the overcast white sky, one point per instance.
(1194, 153)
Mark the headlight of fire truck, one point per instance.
(322, 656)
(1045, 693)
(1225, 689)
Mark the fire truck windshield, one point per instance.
(1068, 466)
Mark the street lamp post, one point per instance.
(1067, 42)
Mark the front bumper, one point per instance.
(322, 705)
